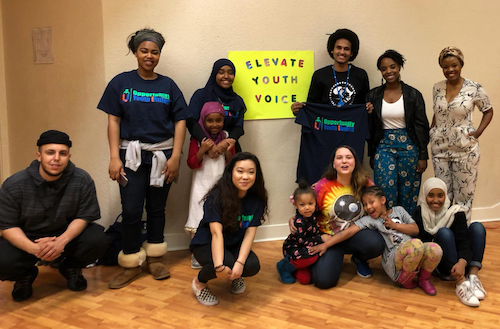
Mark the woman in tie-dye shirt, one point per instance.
(339, 195)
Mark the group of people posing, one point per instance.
(47, 210)
(329, 223)
(438, 237)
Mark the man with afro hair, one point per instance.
(341, 83)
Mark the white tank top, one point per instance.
(393, 114)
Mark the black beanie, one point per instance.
(53, 137)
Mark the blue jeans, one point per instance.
(364, 245)
(446, 239)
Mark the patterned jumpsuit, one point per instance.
(455, 156)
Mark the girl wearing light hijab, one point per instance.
(206, 170)
(146, 128)
(219, 89)
(453, 138)
(463, 246)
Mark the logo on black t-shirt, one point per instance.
(336, 125)
(245, 220)
(132, 95)
(347, 97)
(228, 113)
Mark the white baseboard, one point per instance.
(486, 220)
(486, 214)
(180, 241)
(177, 241)
(272, 232)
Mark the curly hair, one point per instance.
(359, 177)
(344, 34)
(392, 54)
(303, 188)
(225, 192)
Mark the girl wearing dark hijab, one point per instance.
(219, 89)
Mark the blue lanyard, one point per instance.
(341, 96)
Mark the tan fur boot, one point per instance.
(155, 252)
(131, 269)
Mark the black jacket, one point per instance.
(417, 125)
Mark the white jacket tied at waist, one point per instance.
(133, 158)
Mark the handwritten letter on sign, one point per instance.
(270, 81)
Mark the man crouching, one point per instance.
(47, 212)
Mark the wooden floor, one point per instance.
(267, 303)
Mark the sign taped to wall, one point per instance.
(270, 81)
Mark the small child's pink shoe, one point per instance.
(424, 282)
(406, 279)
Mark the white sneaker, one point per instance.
(477, 287)
(466, 295)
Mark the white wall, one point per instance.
(62, 95)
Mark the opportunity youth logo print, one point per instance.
(131, 95)
(321, 124)
(228, 113)
(245, 220)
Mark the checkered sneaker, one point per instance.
(238, 286)
(204, 296)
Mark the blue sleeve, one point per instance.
(364, 121)
(257, 216)
(241, 114)
(303, 120)
(196, 104)
(211, 211)
(179, 108)
(110, 100)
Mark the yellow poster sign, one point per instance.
(270, 81)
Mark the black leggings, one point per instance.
(203, 255)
